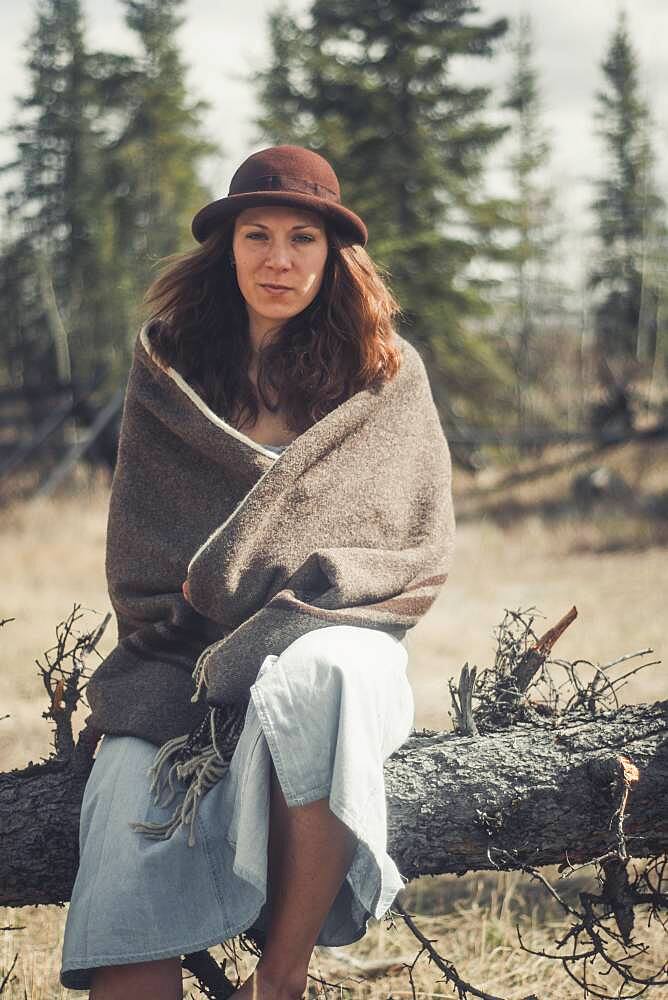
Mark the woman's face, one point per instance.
(276, 245)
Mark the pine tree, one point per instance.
(55, 207)
(532, 296)
(369, 84)
(153, 166)
(27, 349)
(109, 149)
(630, 219)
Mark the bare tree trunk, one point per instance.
(536, 789)
(39, 829)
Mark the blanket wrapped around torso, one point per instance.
(352, 524)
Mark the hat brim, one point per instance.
(346, 223)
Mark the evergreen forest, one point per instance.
(107, 173)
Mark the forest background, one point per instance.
(521, 302)
(511, 161)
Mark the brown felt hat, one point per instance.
(283, 175)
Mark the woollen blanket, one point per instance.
(352, 524)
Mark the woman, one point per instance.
(274, 338)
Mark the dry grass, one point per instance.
(471, 921)
(54, 551)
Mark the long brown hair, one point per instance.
(342, 342)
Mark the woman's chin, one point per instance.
(278, 310)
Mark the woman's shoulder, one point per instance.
(152, 337)
(409, 351)
(156, 328)
(155, 334)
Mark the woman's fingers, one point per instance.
(186, 590)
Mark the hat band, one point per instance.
(284, 182)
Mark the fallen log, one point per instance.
(545, 791)
(521, 783)
(39, 829)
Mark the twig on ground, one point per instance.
(8, 974)
(211, 977)
(464, 990)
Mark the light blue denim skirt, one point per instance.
(328, 711)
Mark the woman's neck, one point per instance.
(260, 332)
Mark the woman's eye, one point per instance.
(299, 236)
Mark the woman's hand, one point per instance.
(186, 590)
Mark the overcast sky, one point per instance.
(222, 41)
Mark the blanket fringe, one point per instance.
(199, 676)
(198, 760)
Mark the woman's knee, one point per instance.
(344, 647)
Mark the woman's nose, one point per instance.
(278, 254)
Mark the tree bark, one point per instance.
(540, 791)
(39, 829)
(546, 791)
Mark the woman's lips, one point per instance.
(276, 289)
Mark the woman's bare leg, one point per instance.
(310, 851)
(158, 980)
